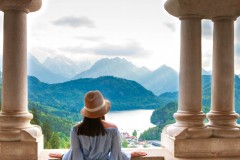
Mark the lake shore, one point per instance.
(128, 121)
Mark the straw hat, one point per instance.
(95, 105)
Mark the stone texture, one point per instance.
(202, 147)
(222, 113)
(220, 138)
(24, 5)
(189, 102)
(153, 153)
(19, 150)
(206, 9)
(18, 138)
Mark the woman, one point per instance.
(94, 138)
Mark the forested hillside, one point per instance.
(123, 94)
(58, 105)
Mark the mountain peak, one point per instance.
(165, 68)
(118, 67)
(37, 69)
(107, 61)
(65, 66)
(205, 72)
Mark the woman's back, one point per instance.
(102, 147)
(94, 138)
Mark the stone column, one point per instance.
(18, 139)
(222, 114)
(189, 126)
(189, 112)
(188, 137)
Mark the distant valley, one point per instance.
(63, 101)
(164, 79)
(123, 94)
(61, 69)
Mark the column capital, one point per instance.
(221, 18)
(207, 9)
(21, 5)
(190, 16)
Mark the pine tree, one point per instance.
(134, 133)
(55, 141)
(124, 143)
(47, 132)
(35, 119)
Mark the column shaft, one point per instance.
(190, 97)
(14, 89)
(14, 112)
(222, 106)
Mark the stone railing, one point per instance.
(152, 153)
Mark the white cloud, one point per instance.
(132, 49)
(74, 22)
(237, 31)
(127, 50)
(170, 26)
(111, 25)
(207, 29)
(90, 38)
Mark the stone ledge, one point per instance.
(153, 153)
(27, 145)
(209, 148)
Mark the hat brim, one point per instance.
(98, 113)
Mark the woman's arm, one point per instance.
(116, 152)
(75, 151)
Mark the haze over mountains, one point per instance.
(117, 67)
(37, 69)
(61, 69)
(164, 79)
(66, 67)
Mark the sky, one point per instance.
(139, 30)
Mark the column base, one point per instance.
(201, 142)
(223, 120)
(15, 120)
(188, 119)
(19, 144)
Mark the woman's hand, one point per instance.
(138, 154)
(55, 155)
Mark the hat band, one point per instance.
(95, 109)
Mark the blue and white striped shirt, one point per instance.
(107, 147)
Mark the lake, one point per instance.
(131, 120)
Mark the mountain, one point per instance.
(117, 67)
(65, 67)
(123, 94)
(164, 79)
(205, 72)
(35, 68)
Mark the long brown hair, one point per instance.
(91, 127)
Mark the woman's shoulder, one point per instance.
(109, 125)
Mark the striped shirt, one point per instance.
(107, 147)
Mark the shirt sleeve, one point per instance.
(116, 152)
(75, 152)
